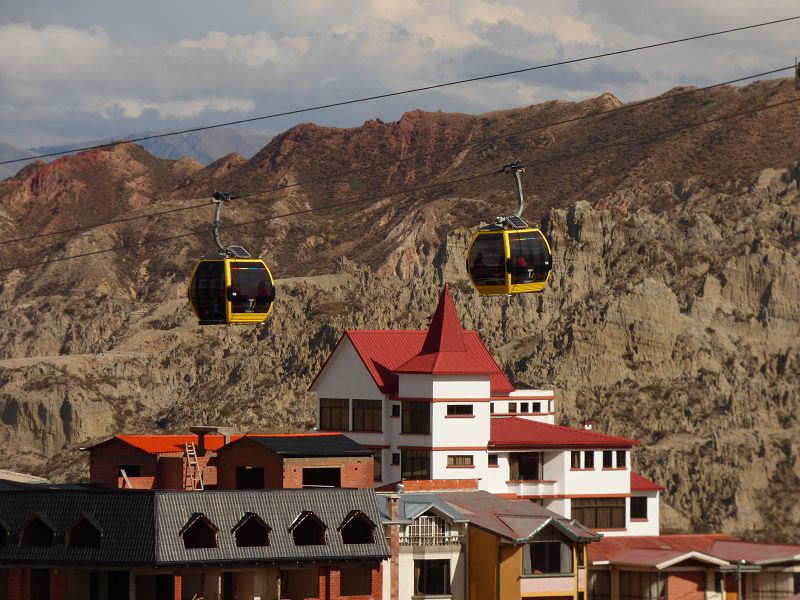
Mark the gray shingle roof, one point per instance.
(143, 527)
(278, 509)
(123, 517)
(307, 445)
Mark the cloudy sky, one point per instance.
(87, 69)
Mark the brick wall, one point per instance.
(17, 584)
(58, 585)
(376, 592)
(246, 453)
(356, 471)
(104, 461)
(686, 586)
(177, 587)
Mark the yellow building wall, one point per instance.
(482, 564)
(510, 569)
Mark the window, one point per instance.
(459, 460)
(322, 477)
(431, 577)
(308, 530)
(377, 469)
(130, 470)
(251, 532)
(199, 532)
(493, 460)
(588, 459)
(334, 414)
(357, 529)
(84, 534)
(35, 533)
(524, 407)
(355, 581)
(395, 410)
(491, 408)
(512, 407)
(541, 558)
(525, 466)
(395, 458)
(415, 464)
(487, 260)
(416, 417)
(599, 513)
(536, 407)
(599, 585)
(367, 415)
(459, 410)
(608, 458)
(638, 507)
(249, 478)
(620, 459)
(575, 459)
(637, 585)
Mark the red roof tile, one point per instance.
(642, 484)
(167, 444)
(444, 350)
(383, 351)
(524, 433)
(725, 547)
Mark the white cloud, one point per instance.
(181, 109)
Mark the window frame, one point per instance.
(421, 568)
(416, 418)
(330, 415)
(415, 463)
(599, 513)
(639, 508)
(460, 410)
(588, 459)
(367, 415)
(462, 461)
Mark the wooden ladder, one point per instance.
(194, 474)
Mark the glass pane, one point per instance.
(530, 260)
(207, 291)
(487, 260)
(253, 289)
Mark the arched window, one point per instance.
(199, 532)
(251, 531)
(36, 533)
(308, 530)
(357, 528)
(84, 533)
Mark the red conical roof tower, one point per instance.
(444, 350)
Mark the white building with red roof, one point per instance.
(434, 405)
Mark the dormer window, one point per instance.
(308, 530)
(357, 529)
(85, 532)
(199, 532)
(36, 533)
(251, 531)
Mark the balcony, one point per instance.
(532, 487)
(448, 539)
(430, 530)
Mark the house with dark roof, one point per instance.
(434, 405)
(79, 544)
(208, 459)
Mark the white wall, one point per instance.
(596, 481)
(460, 431)
(651, 526)
(443, 386)
(458, 568)
(345, 376)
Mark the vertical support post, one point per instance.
(575, 564)
(131, 585)
(394, 547)
(177, 587)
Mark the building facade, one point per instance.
(434, 404)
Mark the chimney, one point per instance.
(393, 500)
(587, 424)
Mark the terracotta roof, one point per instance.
(642, 484)
(444, 350)
(524, 433)
(383, 351)
(755, 552)
(661, 559)
(168, 444)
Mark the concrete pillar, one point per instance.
(394, 547)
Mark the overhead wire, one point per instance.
(411, 157)
(385, 195)
(404, 92)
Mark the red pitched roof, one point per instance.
(524, 433)
(642, 484)
(725, 547)
(383, 351)
(444, 350)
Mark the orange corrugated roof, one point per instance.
(525, 433)
(609, 547)
(167, 444)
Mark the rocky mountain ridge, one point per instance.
(672, 317)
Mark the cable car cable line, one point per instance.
(406, 191)
(390, 162)
(405, 92)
